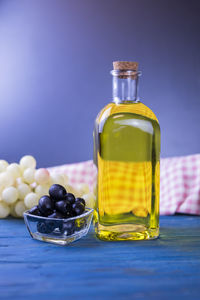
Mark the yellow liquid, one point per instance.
(127, 154)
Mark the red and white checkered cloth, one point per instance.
(180, 185)
(179, 182)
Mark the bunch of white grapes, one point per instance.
(22, 185)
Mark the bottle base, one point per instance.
(107, 235)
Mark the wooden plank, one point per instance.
(166, 268)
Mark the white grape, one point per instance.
(89, 199)
(3, 165)
(42, 176)
(27, 161)
(12, 210)
(31, 200)
(6, 179)
(71, 189)
(10, 180)
(20, 208)
(1, 190)
(29, 175)
(2, 179)
(23, 190)
(10, 194)
(14, 170)
(41, 190)
(4, 210)
(57, 179)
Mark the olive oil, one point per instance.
(127, 154)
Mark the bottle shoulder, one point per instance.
(135, 108)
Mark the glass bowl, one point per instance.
(58, 231)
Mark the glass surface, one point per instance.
(58, 231)
(125, 85)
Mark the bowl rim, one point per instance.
(87, 213)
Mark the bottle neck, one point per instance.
(125, 86)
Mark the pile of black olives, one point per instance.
(58, 205)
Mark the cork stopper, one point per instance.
(125, 65)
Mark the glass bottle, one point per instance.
(127, 157)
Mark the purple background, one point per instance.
(55, 59)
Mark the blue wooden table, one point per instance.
(166, 268)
